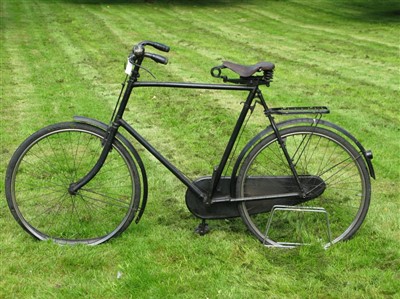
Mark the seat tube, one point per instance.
(228, 150)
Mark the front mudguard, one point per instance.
(135, 155)
(300, 121)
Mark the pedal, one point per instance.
(202, 228)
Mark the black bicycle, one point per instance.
(84, 182)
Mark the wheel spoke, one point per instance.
(106, 199)
(41, 171)
(334, 167)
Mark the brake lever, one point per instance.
(131, 60)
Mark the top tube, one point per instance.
(194, 85)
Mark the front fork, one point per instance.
(111, 132)
(107, 145)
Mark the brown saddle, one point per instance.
(248, 70)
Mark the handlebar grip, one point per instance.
(161, 47)
(158, 46)
(157, 58)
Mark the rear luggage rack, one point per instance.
(298, 110)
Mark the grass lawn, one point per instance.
(65, 57)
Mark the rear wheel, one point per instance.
(317, 154)
(41, 171)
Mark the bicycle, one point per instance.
(84, 182)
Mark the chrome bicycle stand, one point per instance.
(301, 209)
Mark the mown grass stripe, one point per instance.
(167, 142)
(17, 91)
(87, 62)
(89, 70)
(180, 107)
(161, 257)
(343, 68)
(334, 78)
(369, 56)
(149, 23)
(335, 75)
(317, 17)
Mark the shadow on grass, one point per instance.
(371, 11)
(390, 15)
(172, 2)
(363, 10)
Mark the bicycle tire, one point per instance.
(315, 152)
(44, 166)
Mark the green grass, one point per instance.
(65, 57)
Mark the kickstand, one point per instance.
(203, 228)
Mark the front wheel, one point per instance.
(41, 171)
(316, 153)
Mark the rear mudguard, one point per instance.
(300, 121)
(135, 155)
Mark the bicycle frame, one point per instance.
(207, 197)
(118, 121)
(213, 197)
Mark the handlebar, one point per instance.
(157, 58)
(158, 46)
(138, 51)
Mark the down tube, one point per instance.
(163, 160)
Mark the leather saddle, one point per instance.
(248, 70)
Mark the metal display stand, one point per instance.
(295, 209)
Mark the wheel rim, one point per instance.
(346, 197)
(40, 182)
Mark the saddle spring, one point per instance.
(268, 76)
